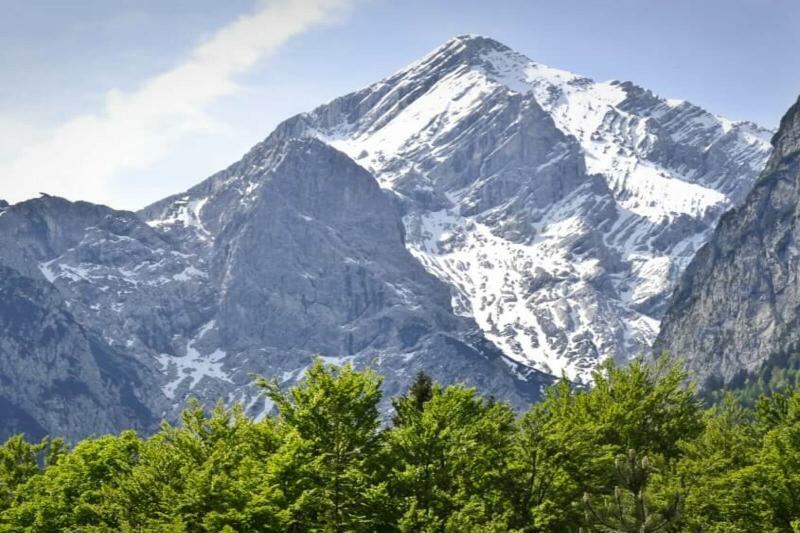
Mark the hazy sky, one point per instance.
(126, 101)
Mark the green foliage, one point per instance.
(449, 461)
(638, 444)
(20, 461)
(642, 407)
(780, 373)
(631, 508)
(74, 491)
(327, 463)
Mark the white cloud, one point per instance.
(16, 133)
(80, 158)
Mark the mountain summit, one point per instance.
(477, 215)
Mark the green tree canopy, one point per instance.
(637, 443)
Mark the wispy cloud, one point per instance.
(80, 158)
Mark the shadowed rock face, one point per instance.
(322, 247)
(737, 304)
(307, 257)
(94, 275)
(57, 378)
(293, 252)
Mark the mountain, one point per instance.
(735, 309)
(559, 210)
(306, 256)
(479, 216)
(59, 373)
(294, 251)
(57, 378)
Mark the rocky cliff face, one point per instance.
(293, 252)
(94, 276)
(306, 255)
(737, 304)
(58, 378)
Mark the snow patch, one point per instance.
(193, 366)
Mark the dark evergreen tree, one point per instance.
(420, 391)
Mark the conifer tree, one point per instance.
(420, 391)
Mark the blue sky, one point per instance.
(125, 102)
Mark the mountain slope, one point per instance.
(293, 252)
(55, 377)
(736, 305)
(306, 256)
(78, 288)
(559, 210)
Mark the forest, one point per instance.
(639, 451)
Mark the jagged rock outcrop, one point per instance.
(737, 305)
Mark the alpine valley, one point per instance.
(477, 215)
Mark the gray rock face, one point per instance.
(737, 304)
(124, 286)
(307, 257)
(108, 322)
(58, 378)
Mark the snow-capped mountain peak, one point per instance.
(497, 61)
(560, 209)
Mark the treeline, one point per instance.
(635, 453)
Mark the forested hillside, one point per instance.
(635, 453)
